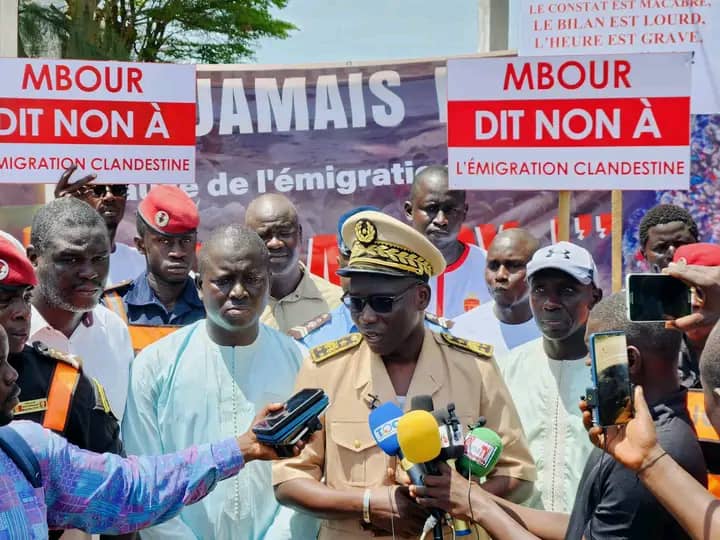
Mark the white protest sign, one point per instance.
(630, 26)
(569, 123)
(125, 122)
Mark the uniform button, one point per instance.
(356, 443)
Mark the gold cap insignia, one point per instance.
(365, 232)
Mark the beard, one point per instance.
(47, 288)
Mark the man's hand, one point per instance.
(394, 503)
(253, 449)
(64, 188)
(706, 281)
(447, 491)
(633, 444)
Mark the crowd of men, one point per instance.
(169, 346)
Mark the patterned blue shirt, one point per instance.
(104, 493)
(144, 307)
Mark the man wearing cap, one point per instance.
(163, 297)
(438, 212)
(69, 248)
(109, 201)
(209, 379)
(547, 375)
(337, 323)
(296, 295)
(392, 358)
(54, 391)
(693, 343)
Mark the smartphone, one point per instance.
(657, 298)
(611, 376)
(300, 415)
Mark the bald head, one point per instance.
(275, 219)
(269, 204)
(229, 239)
(506, 267)
(437, 211)
(519, 239)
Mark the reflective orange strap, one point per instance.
(62, 388)
(113, 301)
(144, 335)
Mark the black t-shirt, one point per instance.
(611, 501)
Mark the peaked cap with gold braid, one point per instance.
(381, 244)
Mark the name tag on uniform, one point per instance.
(32, 406)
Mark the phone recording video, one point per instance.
(657, 298)
(611, 375)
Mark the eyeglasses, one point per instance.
(100, 190)
(379, 303)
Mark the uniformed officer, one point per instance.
(164, 297)
(338, 322)
(53, 390)
(391, 358)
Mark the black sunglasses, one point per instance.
(100, 190)
(379, 303)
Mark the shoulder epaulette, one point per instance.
(333, 348)
(101, 400)
(442, 322)
(301, 331)
(67, 358)
(118, 287)
(475, 347)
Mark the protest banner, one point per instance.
(125, 122)
(338, 168)
(569, 123)
(549, 27)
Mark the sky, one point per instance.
(357, 30)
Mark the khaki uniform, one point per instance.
(345, 453)
(312, 297)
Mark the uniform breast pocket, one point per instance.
(354, 459)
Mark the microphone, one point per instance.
(452, 438)
(421, 403)
(383, 422)
(419, 438)
(482, 450)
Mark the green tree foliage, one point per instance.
(207, 31)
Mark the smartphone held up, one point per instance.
(611, 398)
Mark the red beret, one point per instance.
(168, 210)
(701, 254)
(15, 267)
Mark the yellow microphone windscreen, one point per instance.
(418, 436)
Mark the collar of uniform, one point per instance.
(305, 289)
(428, 378)
(141, 294)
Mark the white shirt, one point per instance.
(461, 287)
(546, 393)
(481, 324)
(125, 263)
(102, 341)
